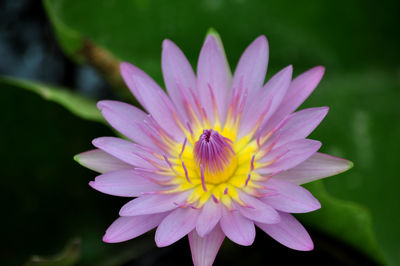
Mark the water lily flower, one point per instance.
(216, 156)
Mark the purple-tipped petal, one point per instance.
(176, 225)
(289, 197)
(289, 232)
(257, 211)
(125, 228)
(128, 120)
(153, 99)
(252, 65)
(100, 161)
(154, 203)
(289, 155)
(125, 183)
(179, 77)
(238, 228)
(319, 165)
(212, 79)
(299, 90)
(125, 151)
(300, 125)
(209, 216)
(205, 249)
(262, 105)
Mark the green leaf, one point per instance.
(68, 257)
(46, 193)
(361, 125)
(77, 104)
(344, 220)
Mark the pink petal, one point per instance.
(252, 65)
(300, 125)
(289, 197)
(128, 120)
(289, 155)
(263, 104)
(299, 90)
(176, 225)
(125, 228)
(100, 161)
(125, 151)
(319, 165)
(125, 183)
(220, 45)
(257, 210)
(178, 75)
(154, 203)
(205, 249)
(209, 216)
(212, 78)
(237, 228)
(153, 99)
(289, 232)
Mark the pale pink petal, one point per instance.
(220, 45)
(153, 99)
(205, 249)
(212, 78)
(299, 90)
(179, 77)
(299, 125)
(289, 232)
(125, 183)
(154, 203)
(126, 151)
(252, 65)
(154, 176)
(319, 165)
(263, 104)
(176, 225)
(238, 228)
(209, 216)
(128, 120)
(289, 155)
(125, 228)
(256, 210)
(100, 161)
(289, 197)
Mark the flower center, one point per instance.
(214, 157)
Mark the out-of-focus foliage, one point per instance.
(45, 195)
(68, 257)
(75, 103)
(356, 40)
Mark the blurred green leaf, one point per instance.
(75, 103)
(69, 256)
(303, 33)
(344, 220)
(46, 193)
(361, 125)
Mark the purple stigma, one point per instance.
(213, 151)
